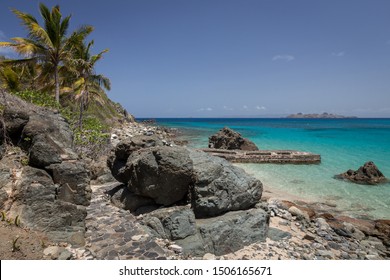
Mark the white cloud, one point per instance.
(245, 107)
(260, 107)
(285, 57)
(227, 108)
(338, 54)
(205, 109)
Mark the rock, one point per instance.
(162, 173)
(277, 234)
(53, 252)
(14, 121)
(209, 256)
(34, 200)
(299, 214)
(178, 222)
(123, 198)
(368, 174)
(124, 149)
(65, 255)
(228, 139)
(44, 151)
(73, 181)
(221, 187)
(175, 248)
(234, 230)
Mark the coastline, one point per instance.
(299, 223)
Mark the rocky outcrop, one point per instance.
(228, 139)
(49, 189)
(220, 187)
(219, 215)
(368, 174)
(171, 175)
(36, 202)
(219, 235)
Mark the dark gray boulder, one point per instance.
(44, 152)
(220, 187)
(14, 121)
(73, 181)
(162, 173)
(368, 174)
(123, 198)
(119, 155)
(35, 201)
(173, 223)
(229, 139)
(234, 230)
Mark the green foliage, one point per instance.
(3, 216)
(92, 139)
(38, 98)
(17, 221)
(15, 246)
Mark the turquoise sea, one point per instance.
(342, 143)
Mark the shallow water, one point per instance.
(342, 143)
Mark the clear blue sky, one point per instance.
(215, 58)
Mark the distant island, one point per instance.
(318, 116)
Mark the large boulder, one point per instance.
(229, 139)
(36, 203)
(48, 139)
(162, 173)
(173, 223)
(123, 198)
(73, 181)
(368, 174)
(234, 230)
(119, 155)
(220, 187)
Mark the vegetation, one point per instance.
(57, 70)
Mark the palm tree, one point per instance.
(88, 82)
(48, 44)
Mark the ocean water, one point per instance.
(342, 143)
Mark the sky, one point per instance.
(235, 58)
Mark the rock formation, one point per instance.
(228, 139)
(368, 174)
(208, 204)
(49, 193)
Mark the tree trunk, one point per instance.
(81, 110)
(57, 84)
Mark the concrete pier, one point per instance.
(266, 156)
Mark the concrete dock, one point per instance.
(266, 156)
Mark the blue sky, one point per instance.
(228, 58)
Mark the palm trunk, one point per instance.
(57, 84)
(81, 110)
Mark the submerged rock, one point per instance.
(368, 174)
(229, 139)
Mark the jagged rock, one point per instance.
(123, 198)
(34, 200)
(73, 181)
(44, 151)
(228, 139)
(368, 174)
(161, 173)
(221, 187)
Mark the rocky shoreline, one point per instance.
(294, 229)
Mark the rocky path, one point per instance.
(114, 234)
